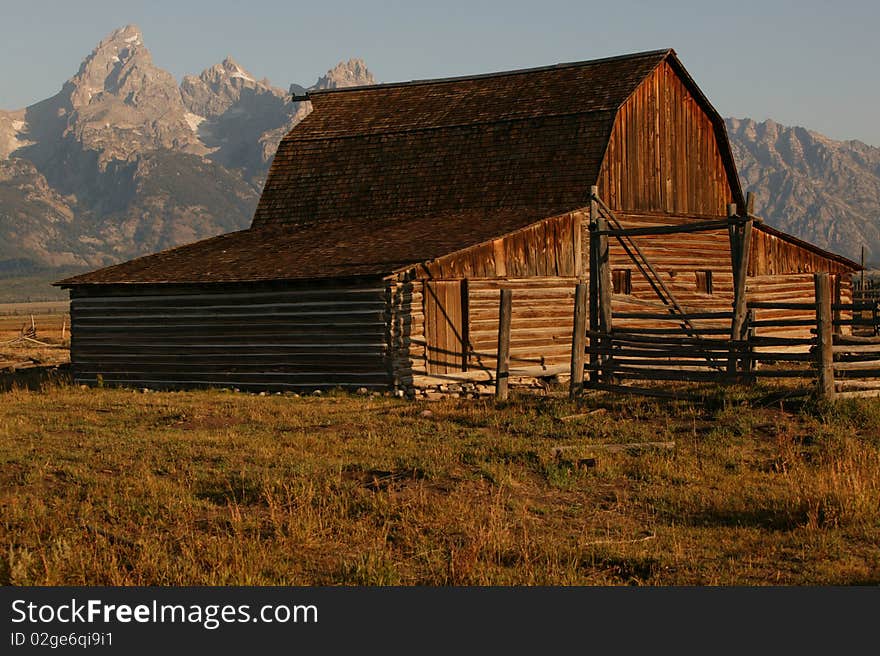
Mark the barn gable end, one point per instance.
(668, 151)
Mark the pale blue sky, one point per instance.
(801, 63)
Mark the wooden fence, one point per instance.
(841, 365)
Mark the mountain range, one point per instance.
(124, 160)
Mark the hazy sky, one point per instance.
(801, 63)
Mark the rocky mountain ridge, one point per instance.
(124, 161)
(819, 189)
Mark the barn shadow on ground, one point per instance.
(35, 378)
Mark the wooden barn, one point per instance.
(393, 214)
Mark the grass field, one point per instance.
(106, 486)
(52, 322)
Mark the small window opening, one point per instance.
(621, 280)
(704, 282)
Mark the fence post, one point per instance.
(594, 282)
(740, 276)
(603, 256)
(748, 360)
(578, 341)
(502, 370)
(824, 352)
(836, 314)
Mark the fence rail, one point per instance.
(841, 365)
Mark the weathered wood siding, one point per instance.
(539, 263)
(445, 325)
(680, 260)
(273, 337)
(542, 312)
(663, 155)
(546, 249)
(772, 255)
(409, 347)
(792, 288)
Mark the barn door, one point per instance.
(445, 326)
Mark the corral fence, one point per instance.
(673, 343)
(826, 343)
(840, 365)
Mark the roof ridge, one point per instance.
(479, 76)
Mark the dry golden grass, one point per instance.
(209, 487)
(49, 318)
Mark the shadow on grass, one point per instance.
(35, 378)
(762, 518)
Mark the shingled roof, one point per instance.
(380, 177)
(329, 249)
(531, 138)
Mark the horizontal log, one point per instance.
(212, 330)
(699, 226)
(488, 375)
(762, 356)
(856, 348)
(663, 363)
(672, 317)
(252, 377)
(663, 374)
(782, 323)
(658, 340)
(627, 299)
(780, 305)
(848, 384)
(233, 303)
(857, 366)
(637, 330)
(201, 297)
(155, 383)
(856, 339)
(237, 345)
(659, 352)
(171, 369)
(861, 394)
(763, 340)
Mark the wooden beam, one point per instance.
(503, 357)
(594, 278)
(605, 290)
(702, 226)
(465, 324)
(578, 341)
(740, 275)
(824, 352)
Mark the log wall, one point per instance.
(681, 260)
(791, 288)
(273, 337)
